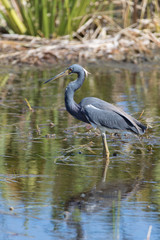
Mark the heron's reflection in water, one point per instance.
(104, 196)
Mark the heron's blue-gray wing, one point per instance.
(109, 119)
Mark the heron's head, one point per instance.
(75, 68)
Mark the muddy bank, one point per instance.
(129, 45)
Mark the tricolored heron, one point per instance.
(98, 113)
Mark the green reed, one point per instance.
(45, 17)
(51, 18)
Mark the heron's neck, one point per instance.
(69, 93)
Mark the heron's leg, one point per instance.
(105, 146)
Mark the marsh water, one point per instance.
(54, 182)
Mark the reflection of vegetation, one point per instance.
(3, 80)
(116, 217)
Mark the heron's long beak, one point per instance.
(66, 72)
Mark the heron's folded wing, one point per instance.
(108, 118)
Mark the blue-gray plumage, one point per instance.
(101, 114)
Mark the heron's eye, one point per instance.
(70, 70)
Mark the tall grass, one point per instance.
(45, 17)
(48, 18)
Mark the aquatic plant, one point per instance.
(44, 18)
(87, 19)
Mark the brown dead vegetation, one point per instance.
(92, 41)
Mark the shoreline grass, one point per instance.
(50, 19)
